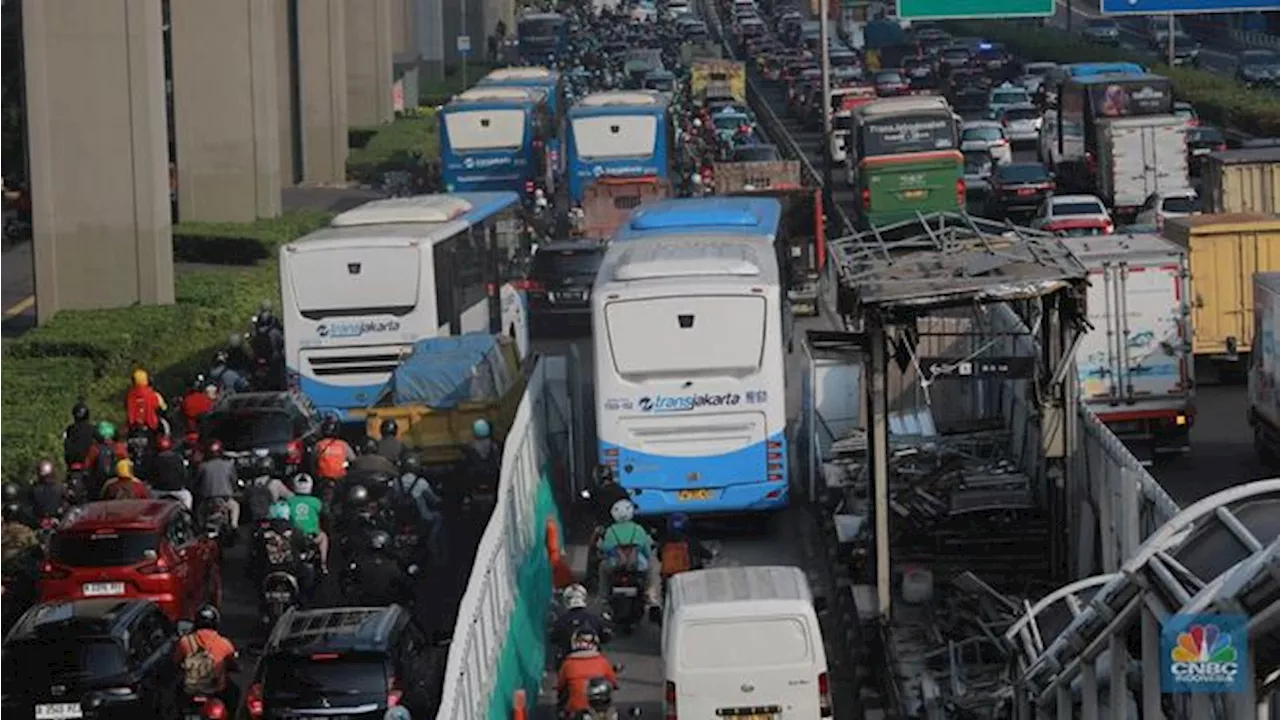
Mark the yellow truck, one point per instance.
(1243, 181)
(718, 78)
(443, 387)
(1225, 250)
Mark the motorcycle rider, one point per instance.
(101, 459)
(169, 473)
(207, 659)
(389, 445)
(412, 484)
(78, 438)
(679, 551)
(17, 540)
(278, 545)
(143, 404)
(333, 454)
(199, 400)
(382, 582)
(48, 494)
(124, 486)
(237, 355)
(216, 480)
(304, 511)
(483, 454)
(623, 534)
(577, 617)
(583, 663)
(266, 489)
(369, 463)
(228, 379)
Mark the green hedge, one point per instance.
(1219, 100)
(433, 92)
(399, 145)
(90, 354)
(241, 243)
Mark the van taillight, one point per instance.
(824, 695)
(866, 199)
(293, 453)
(670, 701)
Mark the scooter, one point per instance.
(600, 697)
(218, 521)
(626, 597)
(204, 707)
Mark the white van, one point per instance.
(744, 641)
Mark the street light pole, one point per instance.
(465, 32)
(828, 205)
(1172, 46)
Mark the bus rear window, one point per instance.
(615, 136)
(908, 134)
(498, 129)
(754, 643)
(689, 335)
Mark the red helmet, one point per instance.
(215, 448)
(164, 443)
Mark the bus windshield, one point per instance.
(540, 29)
(908, 134)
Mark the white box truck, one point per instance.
(1134, 363)
(1264, 368)
(1139, 156)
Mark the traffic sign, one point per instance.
(1017, 368)
(1157, 7)
(974, 9)
(464, 44)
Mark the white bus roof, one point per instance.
(417, 209)
(482, 93)
(893, 106)
(749, 584)
(686, 257)
(622, 97)
(528, 72)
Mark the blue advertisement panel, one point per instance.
(1202, 653)
(1157, 7)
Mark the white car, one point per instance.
(1021, 123)
(1061, 212)
(676, 9)
(1161, 206)
(987, 135)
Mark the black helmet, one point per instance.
(198, 382)
(264, 465)
(379, 540)
(389, 428)
(358, 496)
(12, 511)
(12, 493)
(604, 474)
(329, 428)
(79, 411)
(368, 446)
(220, 358)
(599, 693)
(411, 463)
(207, 618)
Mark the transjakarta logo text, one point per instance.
(356, 329)
(685, 403)
(1204, 655)
(472, 163)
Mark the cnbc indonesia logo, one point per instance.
(1204, 656)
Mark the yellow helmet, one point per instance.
(124, 468)
(141, 378)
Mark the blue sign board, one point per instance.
(1204, 654)
(1157, 7)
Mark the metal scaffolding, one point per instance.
(1220, 555)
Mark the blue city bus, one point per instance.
(1080, 70)
(622, 135)
(542, 37)
(550, 82)
(494, 139)
(754, 218)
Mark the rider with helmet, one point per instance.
(199, 400)
(623, 535)
(266, 489)
(483, 455)
(577, 616)
(78, 438)
(48, 494)
(678, 550)
(413, 485)
(228, 379)
(583, 663)
(168, 473)
(333, 454)
(101, 460)
(305, 510)
(277, 543)
(125, 485)
(389, 445)
(207, 659)
(216, 481)
(382, 582)
(16, 537)
(369, 463)
(143, 404)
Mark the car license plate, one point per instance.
(1023, 192)
(59, 711)
(691, 495)
(105, 589)
(625, 591)
(280, 596)
(914, 194)
(1200, 151)
(192, 716)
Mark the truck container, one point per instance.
(1242, 181)
(1264, 368)
(732, 178)
(608, 202)
(1225, 251)
(1134, 363)
(1138, 156)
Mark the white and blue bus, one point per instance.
(690, 375)
(358, 294)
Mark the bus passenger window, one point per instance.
(446, 301)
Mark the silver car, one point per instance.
(1021, 123)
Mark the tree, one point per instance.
(13, 132)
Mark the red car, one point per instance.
(143, 549)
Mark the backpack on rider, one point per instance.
(277, 550)
(332, 460)
(199, 669)
(677, 557)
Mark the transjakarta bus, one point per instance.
(622, 135)
(906, 158)
(358, 294)
(548, 81)
(494, 139)
(690, 380)
(542, 37)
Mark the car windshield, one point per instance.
(1180, 204)
(1260, 58)
(888, 77)
(249, 430)
(103, 548)
(567, 263)
(329, 676)
(981, 134)
(1206, 135)
(977, 162)
(1014, 114)
(1082, 207)
(1009, 97)
(32, 662)
(1023, 173)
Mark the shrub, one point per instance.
(433, 92)
(399, 145)
(241, 243)
(1218, 99)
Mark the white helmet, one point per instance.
(697, 122)
(696, 178)
(575, 596)
(302, 484)
(623, 511)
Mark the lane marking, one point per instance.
(21, 306)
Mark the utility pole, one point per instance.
(828, 203)
(465, 32)
(1172, 45)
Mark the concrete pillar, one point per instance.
(429, 20)
(322, 89)
(369, 58)
(287, 92)
(404, 37)
(226, 109)
(99, 160)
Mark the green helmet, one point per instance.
(107, 430)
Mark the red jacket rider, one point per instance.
(143, 404)
(578, 668)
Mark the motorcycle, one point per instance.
(600, 701)
(626, 597)
(204, 707)
(217, 518)
(77, 487)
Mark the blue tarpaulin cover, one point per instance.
(444, 372)
(880, 34)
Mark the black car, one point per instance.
(1201, 141)
(1104, 31)
(1257, 68)
(560, 281)
(281, 424)
(1019, 186)
(994, 59)
(353, 662)
(107, 658)
(968, 89)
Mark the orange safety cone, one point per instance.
(520, 711)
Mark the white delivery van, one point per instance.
(744, 642)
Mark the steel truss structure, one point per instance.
(1220, 555)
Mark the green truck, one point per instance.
(904, 157)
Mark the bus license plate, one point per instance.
(914, 194)
(691, 495)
